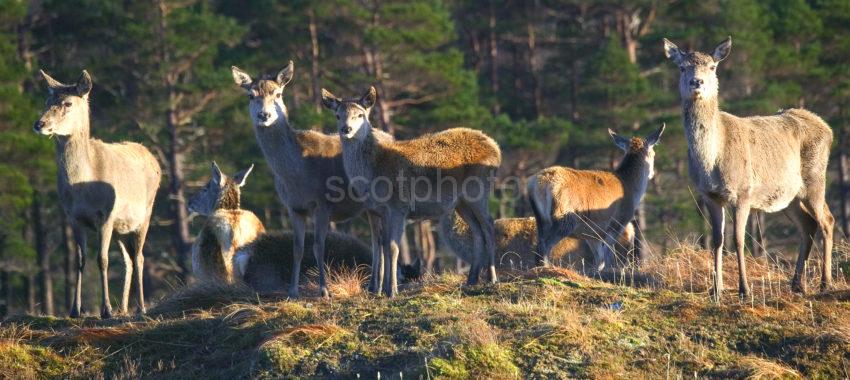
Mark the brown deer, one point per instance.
(228, 228)
(516, 243)
(589, 204)
(422, 178)
(307, 166)
(767, 163)
(233, 246)
(108, 187)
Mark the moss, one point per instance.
(477, 361)
(27, 361)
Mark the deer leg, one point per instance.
(394, 224)
(376, 280)
(128, 276)
(824, 222)
(80, 239)
(298, 227)
(477, 259)
(808, 228)
(717, 216)
(103, 264)
(321, 223)
(139, 264)
(740, 217)
(488, 235)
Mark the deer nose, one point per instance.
(38, 126)
(696, 83)
(345, 129)
(263, 116)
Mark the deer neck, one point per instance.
(230, 197)
(704, 132)
(74, 154)
(359, 157)
(633, 174)
(281, 148)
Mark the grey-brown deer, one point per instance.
(307, 167)
(589, 204)
(768, 163)
(422, 178)
(106, 186)
(233, 246)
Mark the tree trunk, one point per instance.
(45, 275)
(531, 42)
(30, 292)
(314, 68)
(494, 60)
(6, 288)
(427, 247)
(843, 185)
(70, 260)
(175, 156)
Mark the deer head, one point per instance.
(698, 77)
(220, 192)
(352, 115)
(642, 148)
(66, 109)
(265, 95)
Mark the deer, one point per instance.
(108, 187)
(234, 247)
(516, 243)
(218, 249)
(307, 168)
(767, 163)
(592, 205)
(421, 178)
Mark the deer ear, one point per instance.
(330, 101)
(241, 78)
(620, 141)
(655, 136)
(722, 50)
(84, 84)
(673, 52)
(52, 84)
(240, 177)
(217, 175)
(285, 75)
(369, 98)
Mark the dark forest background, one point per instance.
(546, 78)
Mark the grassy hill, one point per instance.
(545, 323)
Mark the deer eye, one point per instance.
(66, 104)
(250, 96)
(337, 116)
(682, 68)
(713, 67)
(279, 95)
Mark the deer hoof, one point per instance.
(324, 293)
(75, 313)
(106, 313)
(826, 287)
(797, 286)
(293, 293)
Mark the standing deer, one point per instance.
(421, 178)
(108, 187)
(307, 167)
(767, 163)
(589, 204)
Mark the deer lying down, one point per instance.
(516, 243)
(590, 204)
(234, 246)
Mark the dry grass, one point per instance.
(756, 368)
(342, 281)
(201, 296)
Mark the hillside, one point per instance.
(547, 323)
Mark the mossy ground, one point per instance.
(543, 324)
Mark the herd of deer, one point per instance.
(767, 163)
